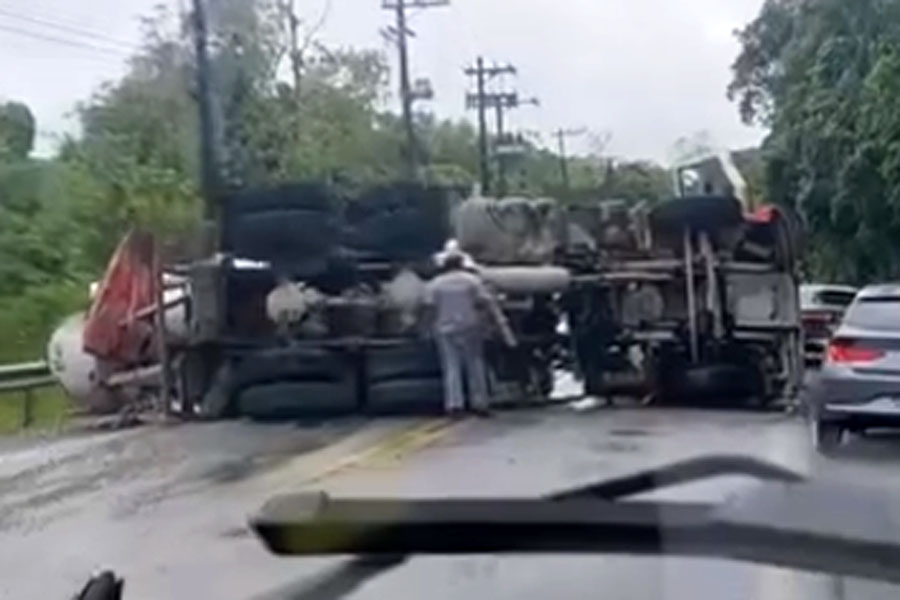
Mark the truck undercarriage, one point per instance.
(311, 304)
(690, 300)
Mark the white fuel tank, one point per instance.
(76, 370)
(79, 373)
(527, 280)
(508, 231)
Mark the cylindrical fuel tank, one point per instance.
(508, 231)
(527, 280)
(77, 371)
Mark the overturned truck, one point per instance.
(693, 299)
(312, 306)
(311, 303)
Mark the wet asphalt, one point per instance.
(167, 506)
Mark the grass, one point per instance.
(49, 409)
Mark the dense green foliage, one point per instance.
(314, 113)
(17, 130)
(824, 75)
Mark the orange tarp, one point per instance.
(112, 330)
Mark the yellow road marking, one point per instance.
(391, 448)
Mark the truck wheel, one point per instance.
(407, 396)
(409, 361)
(297, 399)
(827, 437)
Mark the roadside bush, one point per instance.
(28, 319)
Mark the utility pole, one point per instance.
(502, 102)
(481, 101)
(407, 96)
(209, 151)
(293, 27)
(501, 164)
(412, 148)
(561, 135)
(477, 101)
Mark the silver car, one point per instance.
(822, 307)
(858, 387)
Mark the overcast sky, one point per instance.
(645, 71)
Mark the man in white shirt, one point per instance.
(455, 303)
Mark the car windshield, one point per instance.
(814, 296)
(835, 298)
(433, 249)
(879, 314)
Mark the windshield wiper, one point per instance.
(785, 521)
(679, 473)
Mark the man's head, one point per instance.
(454, 262)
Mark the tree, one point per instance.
(636, 181)
(136, 161)
(591, 177)
(823, 75)
(17, 131)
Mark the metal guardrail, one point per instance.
(37, 368)
(25, 378)
(24, 385)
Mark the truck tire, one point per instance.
(276, 364)
(294, 227)
(406, 396)
(296, 399)
(416, 360)
(717, 385)
(300, 196)
(298, 241)
(398, 222)
(705, 213)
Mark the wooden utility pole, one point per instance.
(296, 58)
(477, 101)
(561, 135)
(481, 101)
(407, 97)
(501, 103)
(209, 138)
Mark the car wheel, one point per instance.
(827, 437)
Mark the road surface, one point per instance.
(167, 506)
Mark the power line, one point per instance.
(55, 13)
(26, 18)
(64, 41)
